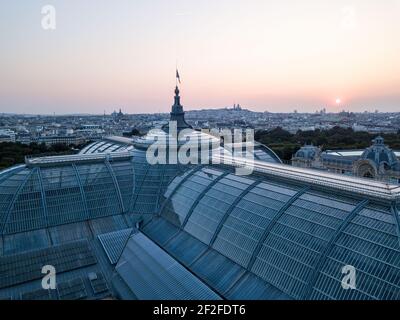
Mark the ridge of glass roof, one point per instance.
(95, 157)
(355, 185)
(119, 139)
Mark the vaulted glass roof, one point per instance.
(114, 144)
(293, 238)
(110, 144)
(59, 190)
(49, 194)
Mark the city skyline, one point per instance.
(267, 56)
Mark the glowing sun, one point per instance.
(338, 101)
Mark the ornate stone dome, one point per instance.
(308, 152)
(379, 153)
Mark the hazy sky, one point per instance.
(275, 55)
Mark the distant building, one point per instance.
(5, 138)
(24, 138)
(50, 140)
(357, 128)
(117, 115)
(237, 107)
(91, 126)
(7, 135)
(309, 156)
(378, 161)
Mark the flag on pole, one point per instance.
(177, 76)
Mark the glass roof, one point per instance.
(289, 229)
(153, 274)
(292, 238)
(65, 192)
(109, 144)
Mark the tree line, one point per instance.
(282, 142)
(285, 144)
(12, 153)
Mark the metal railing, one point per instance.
(96, 157)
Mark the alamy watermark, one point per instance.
(215, 146)
(49, 280)
(349, 280)
(48, 17)
(349, 18)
